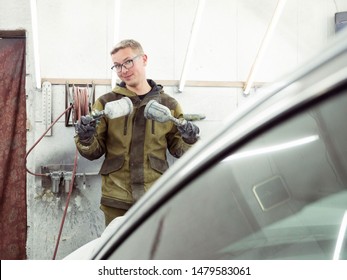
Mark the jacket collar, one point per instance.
(121, 88)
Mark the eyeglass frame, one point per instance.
(121, 65)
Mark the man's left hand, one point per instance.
(189, 132)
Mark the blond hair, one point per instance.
(129, 43)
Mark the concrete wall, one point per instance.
(75, 38)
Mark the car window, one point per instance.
(283, 195)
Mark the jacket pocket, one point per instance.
(158, 164)
(111, 165)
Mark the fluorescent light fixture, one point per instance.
(33, 7)
(275, 148)
(116, 24)
(264, 45)
(340, 238)
(191, 44)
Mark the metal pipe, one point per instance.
(264, 45)
(116, 24)
(33, 7)
(191, 44)
(80, 174)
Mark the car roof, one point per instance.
(310, 82)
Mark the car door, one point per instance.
(280, 192)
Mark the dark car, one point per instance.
(271, 184)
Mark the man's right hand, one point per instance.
(85, 128)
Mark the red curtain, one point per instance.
(13, 210)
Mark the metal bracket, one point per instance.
(56, 172)
(47, 106)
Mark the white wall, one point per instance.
(75, 37)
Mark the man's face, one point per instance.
(131, 66)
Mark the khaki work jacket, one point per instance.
(133, 146)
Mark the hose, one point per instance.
(38, 141)
(81, 108)
(81, 103)
(66, 205)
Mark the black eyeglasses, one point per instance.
(126, 64)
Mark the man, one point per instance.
(134, 147)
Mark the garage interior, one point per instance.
(212, 56)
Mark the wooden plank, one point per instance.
(62, 81)
(171, 83)
(12, 34)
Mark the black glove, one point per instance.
(85, 128)
(189, 132)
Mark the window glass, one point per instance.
(282, 196)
